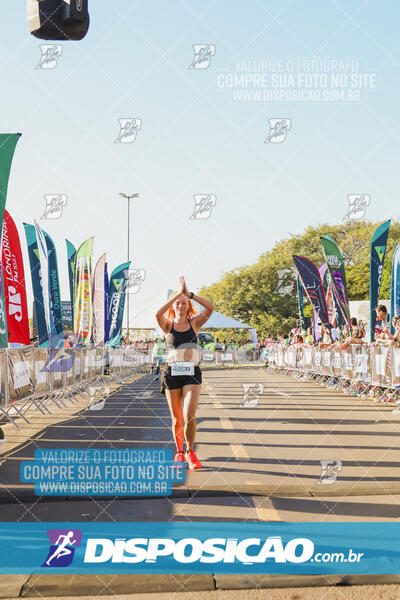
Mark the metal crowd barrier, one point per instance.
(41, 377)
(359, 369)
(218, 357)
(44, 378)
(223, 358)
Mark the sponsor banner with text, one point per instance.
(14, 283)
(202, 547)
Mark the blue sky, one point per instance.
(195, 137)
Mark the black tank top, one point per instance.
(181, 339)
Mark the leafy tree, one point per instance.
(264, 296)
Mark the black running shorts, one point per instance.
(174, 382)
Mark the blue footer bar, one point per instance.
(286, 548)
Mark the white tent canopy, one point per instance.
(218, 320)
(144, 317)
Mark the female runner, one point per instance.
(181, 378)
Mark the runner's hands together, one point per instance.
(183, 289)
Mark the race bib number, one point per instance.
(182, 368)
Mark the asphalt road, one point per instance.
(261, 454)
(370, 592)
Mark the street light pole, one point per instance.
(128, 197)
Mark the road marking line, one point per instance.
(239, 451)
(216, 403)
(266, 510)
(226, 423)
(17, 486)
(267, 514)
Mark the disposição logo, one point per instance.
(61, 551)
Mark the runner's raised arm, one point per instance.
(199, 320)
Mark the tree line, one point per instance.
(263, 295)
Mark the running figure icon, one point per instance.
(61, 551)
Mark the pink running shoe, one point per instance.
(179, 457)
(193, 461)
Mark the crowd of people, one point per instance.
(141, 346)
(148, 345)
(217, 345)
(342, 337)
(321, 337)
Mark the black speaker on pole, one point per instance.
(58, 19)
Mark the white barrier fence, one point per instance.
(221, 358)
(227, 357)
(376, 365)
(32, 375)
(39, 376)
